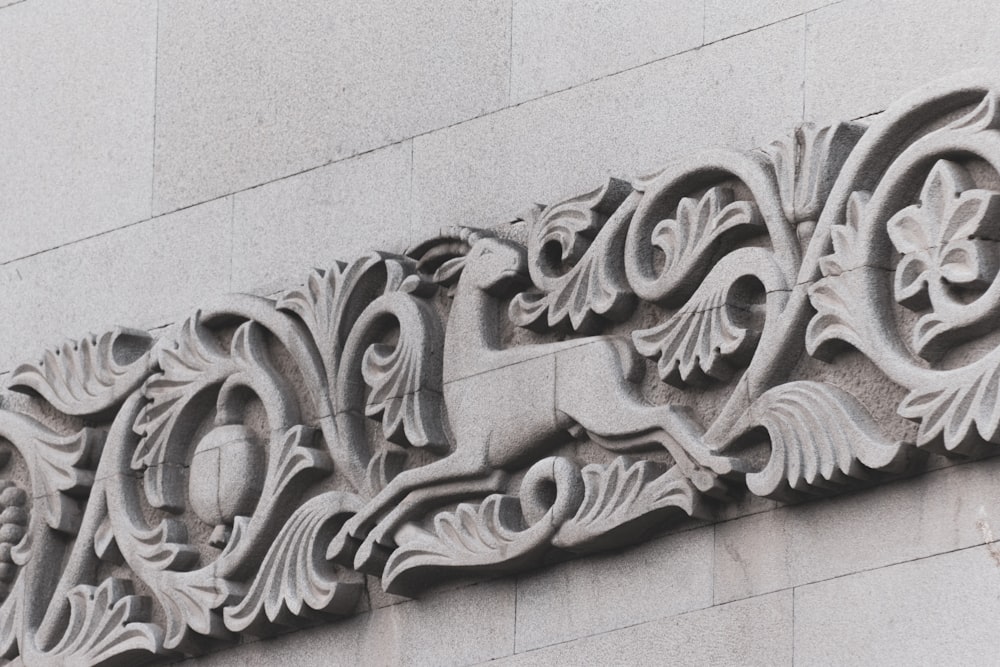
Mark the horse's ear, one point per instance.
(449, 272)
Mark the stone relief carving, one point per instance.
(570, 382)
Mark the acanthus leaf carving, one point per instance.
(714, 330)
(107, 625)
(575, 251)
(393, 416)
(295, 576)
(90, 375)
(807, 163)
(821, 439)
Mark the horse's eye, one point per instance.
(486, 251)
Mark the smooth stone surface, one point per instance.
(330, 214)
(143, 276)
(863, 54)
(748, 632)
(76, 120)
(725, 18)
(942, 511)
(461, 627)
(611, 591)
(558, 44)
(238, 105)
(624, 125)
(935, 611)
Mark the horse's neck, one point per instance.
(472, 336)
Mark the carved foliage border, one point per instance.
(570, 382)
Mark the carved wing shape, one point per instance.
(821, 438)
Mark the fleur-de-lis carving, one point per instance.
(945, 238)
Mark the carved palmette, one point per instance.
(570, 382)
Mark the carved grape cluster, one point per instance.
(13, 523)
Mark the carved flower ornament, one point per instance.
(948, 242)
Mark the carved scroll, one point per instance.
(574, 381)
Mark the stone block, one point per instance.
(725, 19)
(239, 105)
(749, 632)
(557, 45)
(467, 626)
(282, 229)
(628, 124)
(935, 611)
(942, 511)
(76, 120)
(140, 276)
(608, 592)
(852, 72)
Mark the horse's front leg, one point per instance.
(449, 469)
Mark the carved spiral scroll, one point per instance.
(573, 381)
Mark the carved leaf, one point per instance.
(295, 574)
(405, 381)
(807, 163)
(501, 533)
(331, 300)
(107, 623)
(947, 240)
(10, 622)
(983, 117)
(294, 456)
(961, 405)
(404, 378)
(575, 258)
(709, 336)
(63, 473)
(821, 438)
(688, 240)
(190, 602)
(623, 501)
(490, 535)
(90, 375)
(834, 295)
(191, 363)
(165, 546)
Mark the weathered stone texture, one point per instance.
(933, 611)
(76, 120)
(860, 55)
(724, 18)
(248, 92)
(146, 275)
(660, 370)
(316, 219)
(557, 44)
(595, 595)
(748, 632)
(950, 509)
(624, 125)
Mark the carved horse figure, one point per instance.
(507, 406)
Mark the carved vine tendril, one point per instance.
(483, 402)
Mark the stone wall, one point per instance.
(156, 155)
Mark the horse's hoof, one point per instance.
(342, 548)
(371, 556)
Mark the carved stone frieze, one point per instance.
(573, 381)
